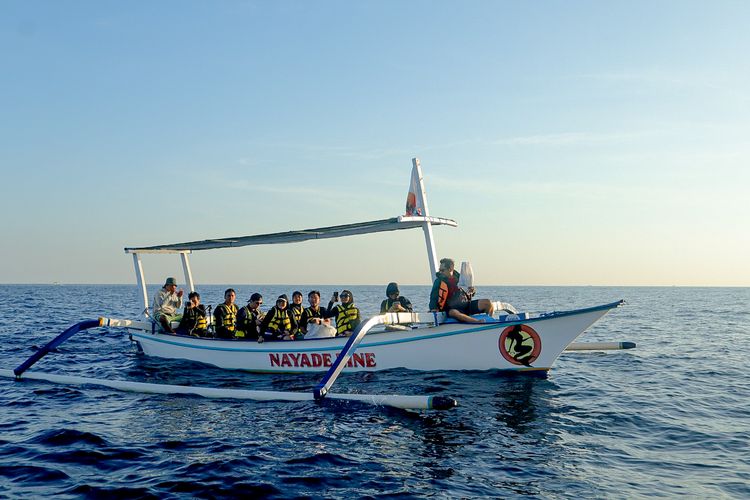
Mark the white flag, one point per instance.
(414, 204)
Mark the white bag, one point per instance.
(467, 275)
(315, 331)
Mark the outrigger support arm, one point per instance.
(321, 390)
(54, 343)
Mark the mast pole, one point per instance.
(427, 226)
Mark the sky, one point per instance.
(574, 142)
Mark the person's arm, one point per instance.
(331, 311)
(406, 304)
(434, 295)
(384, 306)
(266, 321)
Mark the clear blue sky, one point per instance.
(574, 142)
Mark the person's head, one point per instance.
(256, 300)
(282, 301)
(391, 291)
(195, 298)
(170, 284)
(446, 266)
(297, 297)
(229, 295)
(346, 297)
(314, 298)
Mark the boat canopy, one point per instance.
(376, 226)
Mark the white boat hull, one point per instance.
(448, 346)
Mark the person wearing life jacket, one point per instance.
(167, 302)
(277, 325)
(295, 314)
(225, 316)
(249, 319)
(447, 296)
(193, 320)
(346, 314)
(394, 301)
(313, 314)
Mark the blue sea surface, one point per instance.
(670, 418)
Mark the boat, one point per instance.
(510, 340)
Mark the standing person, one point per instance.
(249, 318)
(193, 320)
(277, 325)
(166, 303)
(346, 314)
(447, 296)
(295, 314)
(313, 314)
(394, 302)
(225, 315)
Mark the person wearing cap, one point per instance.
(249, 318)
(167, 301)
(346, 314)
(225, 316)
(277, 325)
(193, 320)
(313, 314)
(295, 314)
(394, 302)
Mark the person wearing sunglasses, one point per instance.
(346, 314)
(249, 318)
(448, 297)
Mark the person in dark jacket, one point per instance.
(313, 314)
(225, 316)
(277, 324)
(395, 302)
(193, 320)
(346, 314)
(448, 297)
(249, 318)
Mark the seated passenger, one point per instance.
(447, 296)
(295, 314)
(314, 314)
(166, 303)
(225, 315)
(277, 325)
(346, 314)
(394, 302)
(193, 320)
(249, 318)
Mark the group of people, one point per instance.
(284, 321)
(293, 321)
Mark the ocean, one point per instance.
(669, 418)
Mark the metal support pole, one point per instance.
(186, 270)
(139, 279)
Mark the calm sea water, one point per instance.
(669, 418)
